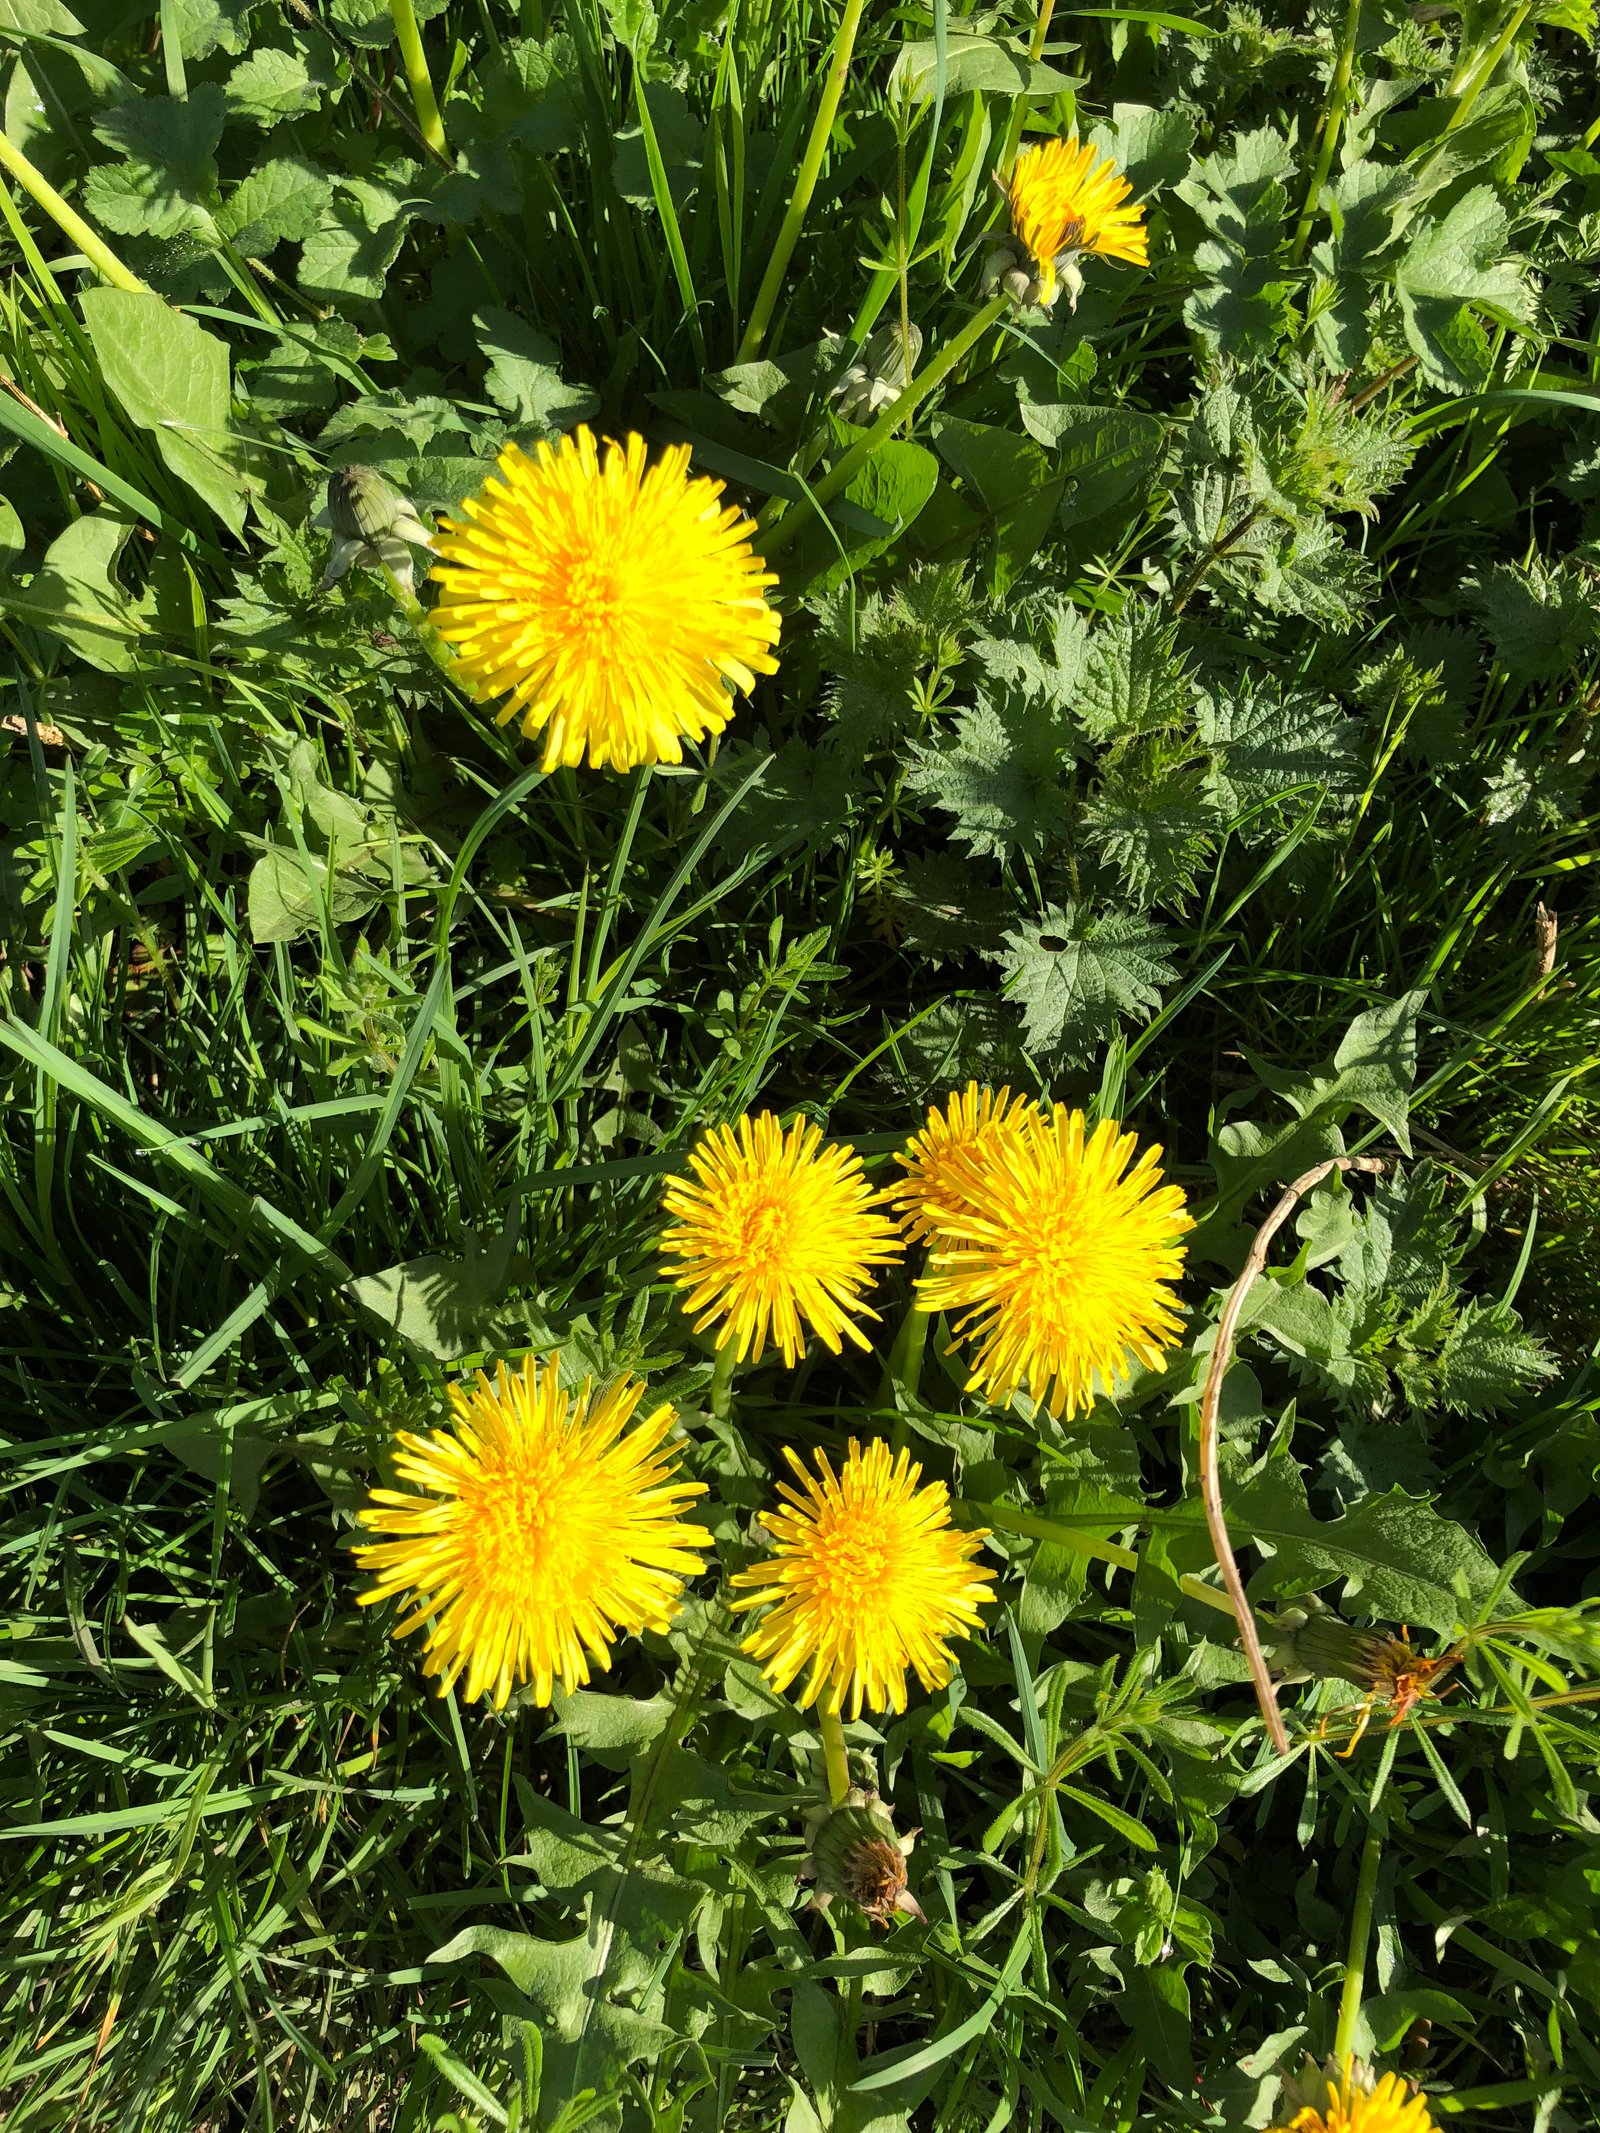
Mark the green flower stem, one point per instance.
(722, 1380)
(910, 1346)
(778, 529)
(805, 184)
(838, 1763)
(1480, 76)
(1332, 126)
(1021, 105)
(415, 61)
(68, 221)
(1355, 1961)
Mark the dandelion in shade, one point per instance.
(1348, 2097)
(545, 1523)
(869, 1582)
(616, 606)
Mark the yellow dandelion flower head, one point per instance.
(615, 605)
(775, 1231)
(1059, 1254)
(1066, 198)
(934, 1159)
(549, 1525)
(869, 1578)
(1351, 2104)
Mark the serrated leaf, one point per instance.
(356, 240)
(270, 86)
(1133, 683)
(279, 202)
(1005, 775)
(525, 375)
(1399, 1558)
(1486, 1361)
(1268, 748)
(1156, 827)
(1078, 978)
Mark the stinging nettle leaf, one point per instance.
(1078, 978)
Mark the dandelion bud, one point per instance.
(361, 504)
(880, 373)
(372, 527)
(855, 1853)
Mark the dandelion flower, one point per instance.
(1352, 2099)
(774, 1230)
(934, 1159)
(614, 605)
(1065, 200)
(1060, 1256)
(549, 1526)
(869, 1578)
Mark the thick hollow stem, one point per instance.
(1355, 1961)
(415, 62)
(721, 1396)
(777, 532)
(834, 1756)
(910, 1346)
(68, 221)
(1210, 1405)
(1332, 126)
(805, 184)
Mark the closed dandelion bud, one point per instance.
(855, 1853)
(880, 373)
(372, 528)
(361, 504)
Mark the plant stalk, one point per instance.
(805, 185)
(1332, 127)
(415, 61)
(834, 1756)
(68, 221)
(1210, 1406)
(1355, 1962)
(1482, 74)
(721, 1396)
(780, 529)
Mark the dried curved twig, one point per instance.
(1211, 1401)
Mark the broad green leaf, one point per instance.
(1149, 143)
(75, 595)
(356, 240)
(441, 1304)
(1005, 775)
(1106, 452)
(270, 86)
(39, 18)
(974, 64)
(525, 375)
(171, 377)
(290, 895)
(278, 202)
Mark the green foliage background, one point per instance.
(1188, 715)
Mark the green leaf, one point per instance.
(1268, 749)
(1004, 776)
(1155, 825)
(76, 597)
(290, 895)
(1019, 489)
(271, 86)
(1399, 1558)
(1448, 267)
(525, 375)
(356, 240)
(1133, 682)
(1486, 1361)
(975, 65)
(1079, 978)
(1149, 143)
(1106, 452)
(442, 1305)
(558, 1977)
(278, 202)
(171, 377)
